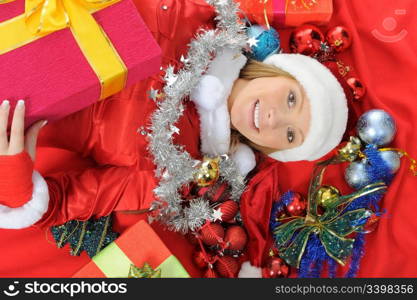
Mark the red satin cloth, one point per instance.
(390, 250)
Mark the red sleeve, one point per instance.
(98, 191)
(15, 179)
(255, 206)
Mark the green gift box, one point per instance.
(138, 247)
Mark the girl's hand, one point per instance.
(18, 140)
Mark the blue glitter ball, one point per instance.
(268, 42)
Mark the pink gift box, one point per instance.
(54, 77)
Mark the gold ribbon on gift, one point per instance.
(114, 263)
(43, 17)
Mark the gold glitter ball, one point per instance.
(208, 172)
(327, 195)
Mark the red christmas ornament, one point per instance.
(210, 273)
(339, 38)
(229, 210)
(357, 88)
(275, 268)
(236, 238)
(200, 259)
(306, 39)
(227, 266)
(297, 205)
(212, 234)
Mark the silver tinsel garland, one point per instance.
(175, 166)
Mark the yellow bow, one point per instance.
(45, 16)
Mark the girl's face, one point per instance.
(272, 112)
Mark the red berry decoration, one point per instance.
(306, 39)
(201, 191)
(357, 88)
(297, 205)
(236, 238)
(371, 223)
(339, 38)
(212, 234)
(186, 192)
(215, 193)
(275, 268)
(219, 192)
(229, 210)
(200, 259)
(227, 266)
(210, 273)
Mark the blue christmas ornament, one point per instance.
(376, 127)
(356, 175)
(391, 159)
(262, 42)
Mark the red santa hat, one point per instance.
(328, 106)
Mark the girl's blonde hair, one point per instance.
(252, 70)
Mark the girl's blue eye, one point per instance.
(291, 99)
(290, 135)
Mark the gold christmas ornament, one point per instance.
(327, 195)
(352, 149)
(208, 172)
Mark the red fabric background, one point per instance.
(388, 71)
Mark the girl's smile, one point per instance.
(272, 112)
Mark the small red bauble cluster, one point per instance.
(296, 206)
(309, 40)
(221, 241)
(219, 247)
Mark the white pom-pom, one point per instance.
(249, 271)
(244, 159)
(209, 93)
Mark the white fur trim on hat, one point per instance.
(328, 105)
